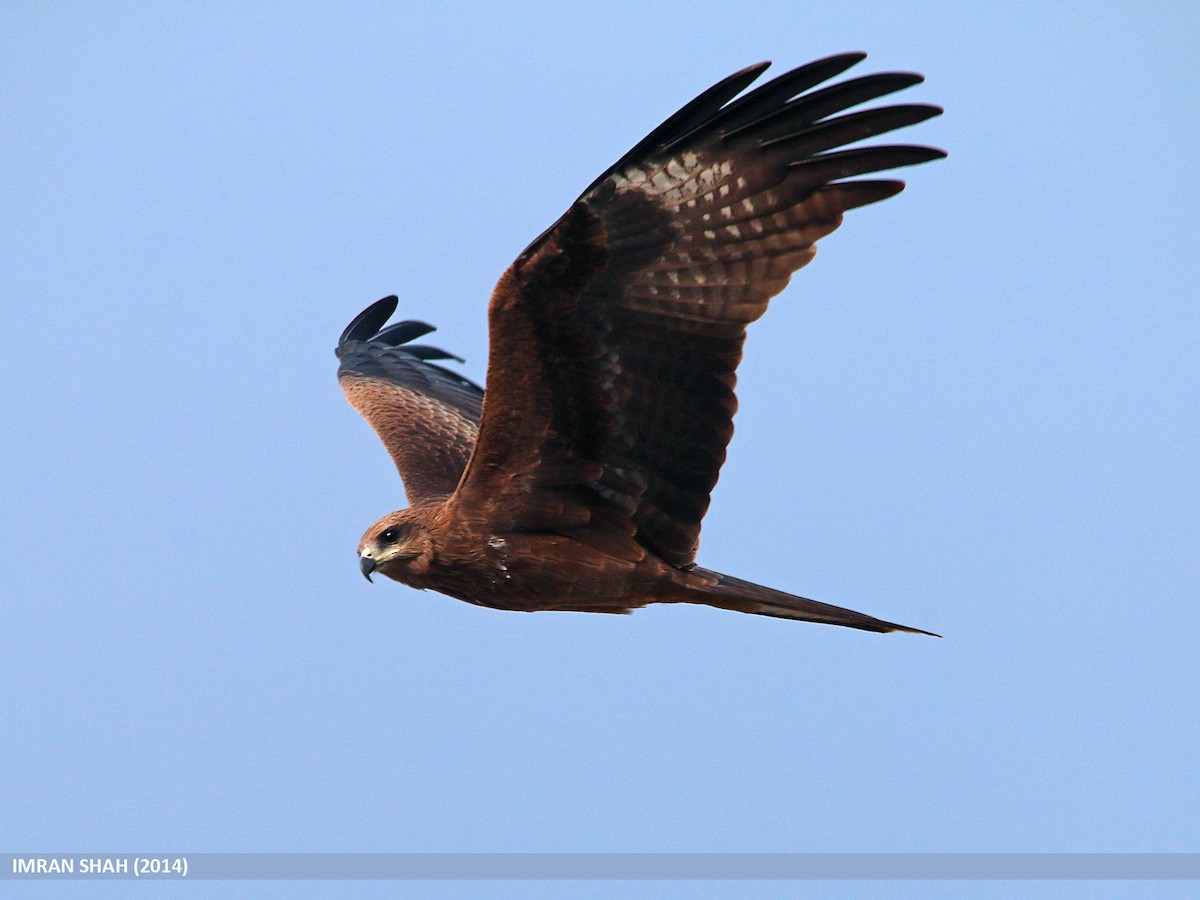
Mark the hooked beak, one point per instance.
(367, 565)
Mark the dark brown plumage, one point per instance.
(582, 480)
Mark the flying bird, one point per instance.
(579, 480)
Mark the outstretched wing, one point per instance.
(426, 415)
(615, 336)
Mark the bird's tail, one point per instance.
(726, 592)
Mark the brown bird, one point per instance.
(579, 480)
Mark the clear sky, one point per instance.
(975, 412)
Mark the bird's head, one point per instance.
(397, 545)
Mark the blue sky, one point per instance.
(975, 413)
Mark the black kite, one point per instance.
(578, 482)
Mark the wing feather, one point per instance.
(616, 335)
(426, 415)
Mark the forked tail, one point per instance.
(727, 592)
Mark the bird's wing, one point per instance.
(616, 334)
(426, 415)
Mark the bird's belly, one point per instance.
(546, 571)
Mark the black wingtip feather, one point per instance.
(827, 167)
(367, 348)
(420, 351)
(403, 332)
(776, 94)
(368, 322)
(812, 107)
(861, 193)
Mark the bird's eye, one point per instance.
(391, 536)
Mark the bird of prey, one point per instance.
(578, 481)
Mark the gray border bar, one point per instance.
(606, 866)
